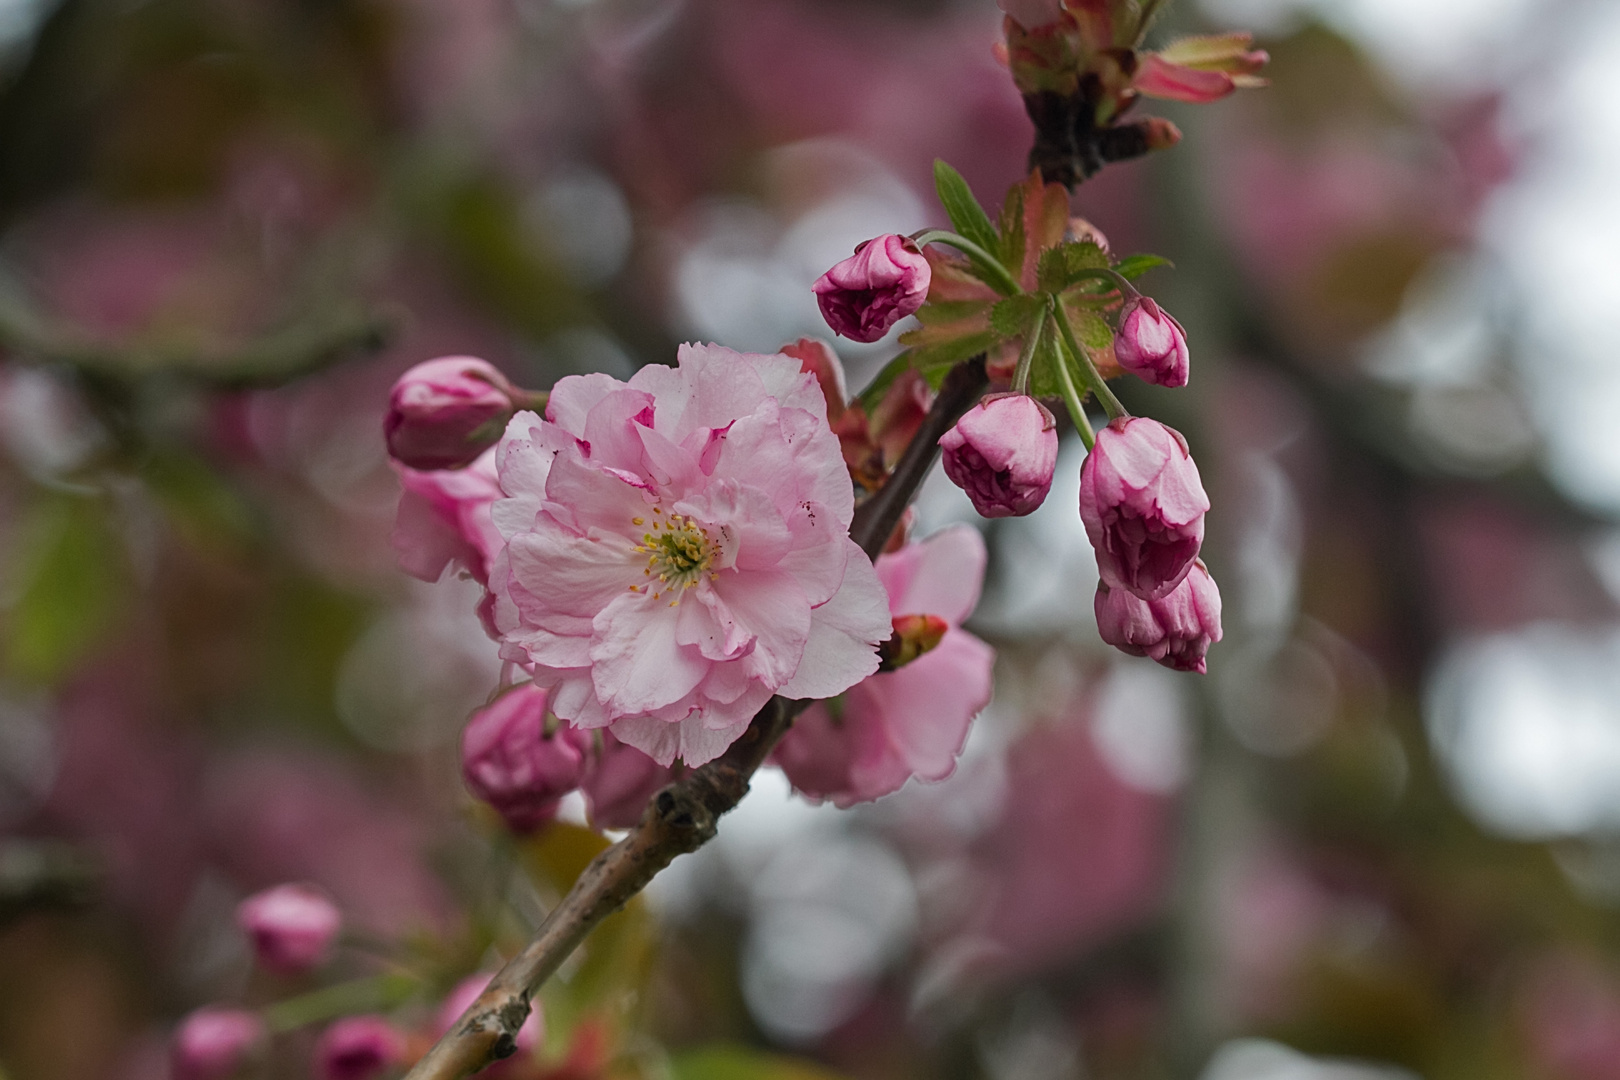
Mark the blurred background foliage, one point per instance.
(1377, 841)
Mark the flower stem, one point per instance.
(1094, 382)
(1026, 358)
(981, 257)
(1077, 407)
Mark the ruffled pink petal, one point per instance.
(941, 576)
(637, 664)
(838, 652)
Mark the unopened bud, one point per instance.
(444, 413)
(913, 636)
(1151, 344)
(509, 761)
(213, 1043)
(357, 1048)
(292, 926)
(1003, 453)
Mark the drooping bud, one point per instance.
(357, 1048)
(1002, 453)
(292, 926)
(509, 762)
(443, 413)
(913, 636)
(213, 1043)
(883, 282)
(1143, 506)
(1151, 344)
(1176, 630)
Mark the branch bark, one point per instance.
(682, 817)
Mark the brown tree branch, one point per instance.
(682, 817)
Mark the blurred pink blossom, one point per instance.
(620, 781)
(292, 927)
(1002, 452)
(913, 721)
(1143, 506)
(357, 1048)
(509, 761)
(678, 551)
(213, 1043)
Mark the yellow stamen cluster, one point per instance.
(679, 552)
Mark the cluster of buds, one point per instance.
(1081, 66)
(1043, 297)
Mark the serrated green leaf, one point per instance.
(1043, 376)
(1012, 317)
(1014, 238)
(1090, 330)
(937, 357)
(1134, 266)
(1063, 265)
(967, 216)
(940, 313)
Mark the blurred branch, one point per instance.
(44, 874)
(684, 816)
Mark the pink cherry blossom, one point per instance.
(1175, 630)
(444, 517)
(443, 413)
(212, 1043)
(678, 551)
(1143, 506)
(1151, 344)
(1003, 453)
(292, 926)
(357, 1048)
(883, 282)
(509, 761)
(620, 781)
(912, 721)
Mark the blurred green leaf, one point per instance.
(205, 508)
(1132, 267)
(1014, 235)
(967, 216)
(724, 1061)
(869, 398)
(70, 584)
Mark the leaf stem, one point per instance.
(1088, 370)
(1009, 284)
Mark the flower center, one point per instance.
(679, 552)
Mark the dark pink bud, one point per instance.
(883, 282)
(1143, 506)
(213, 1043)
(444, 413)
(509, 761)
(1151, 344)
(292, 927)
(620, 782)
(1175, 631)
(1002, 453)
(357, 1048)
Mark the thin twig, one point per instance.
(682, 817)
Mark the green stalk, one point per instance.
(360, 995)
(980, 256)
(1094, 381)
(1071, 398)
(1026, 359)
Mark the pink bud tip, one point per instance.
(1003, 453)
(509, 762)
(357, 1048)
(443, 413)
(292, 927)
(883, 282)
(213, 1043)
(1151, 344)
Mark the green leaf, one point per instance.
(1134, 266)
(1063, 265)
(966, 215)
(1091, 330)
(868, 399)
(938, 313)
(70, 586)
(1014, 238)
(1012, 317)
(935, 358)
(1043, 373)
(726, 1061)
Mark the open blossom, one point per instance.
(1143, 506)
(357, 1048)
(443, 413)
(292, 926)
(620, 781)
(1003, 453)
(678, 551)
(1151, 344)
(914, 720)
(213, 1043)
(883, 282)
(1176, 630)
(509, 761)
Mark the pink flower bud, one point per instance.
(1002, 453)
(213, 1043)
(1143, 506)
(1151, 344)
(510, 762)
(883, 282)
(443, 413)
(292, 927)
(1175, 631)
(357, 1048)
(620, 782)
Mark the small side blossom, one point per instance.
(214, 1043)
(292, 927)
(914, 720)
(678, 551)
(509, 762)
(620, 781)
(1176, 630)
(1151, 344)
(883, 282)
(358, 1048)
(443, 413)
(1143, 506)
(1003, 453)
